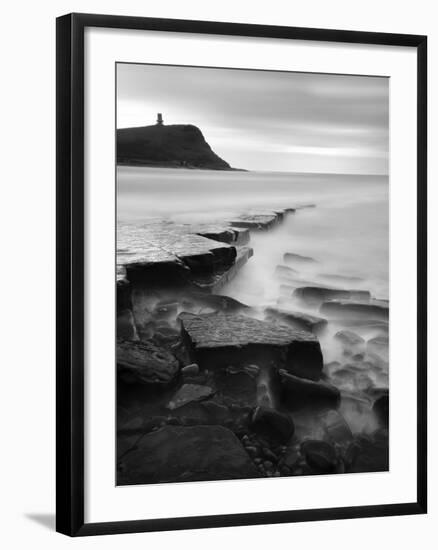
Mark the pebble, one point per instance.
(252, 451)
(190, 370)
(268, 454)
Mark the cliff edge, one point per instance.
(173, 146)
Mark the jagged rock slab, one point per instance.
(195, 453)
(217, 340)
(315, 295)
(352, 310)
(296, 319)
(258, 221)
(145, 363)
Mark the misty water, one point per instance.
(347, 233)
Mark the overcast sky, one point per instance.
(265, 120)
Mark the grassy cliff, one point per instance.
(177, 145)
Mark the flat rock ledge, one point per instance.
(350, 310)
(195, 453)
(217, 340)
(205, 256)
(314, 295)
(164, 252)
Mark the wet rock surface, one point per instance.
(210, 387)
(176, 454)
(218, 339)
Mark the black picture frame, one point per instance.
(70, 273)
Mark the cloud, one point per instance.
(267, 120)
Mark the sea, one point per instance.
(344, 226)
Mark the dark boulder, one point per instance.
(298, 393)
(272, 424)
(368, 454)
(320, 456)
(126, 325)
(195, 453)
(145, 363)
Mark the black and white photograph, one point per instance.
(252, 273)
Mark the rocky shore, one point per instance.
(210, 388)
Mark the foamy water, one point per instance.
(347, 233)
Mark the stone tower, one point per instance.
(159, 119)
